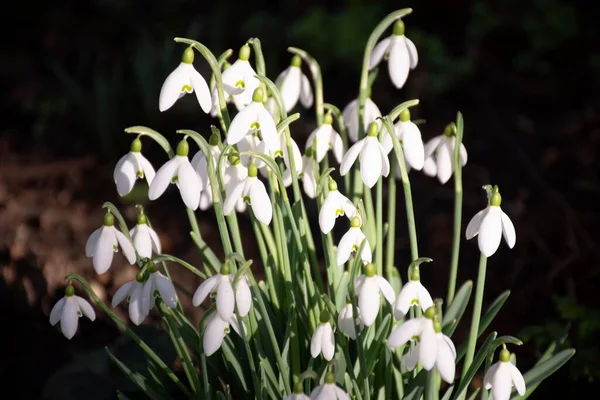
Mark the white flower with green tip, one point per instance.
(130, 167)
(200, 164)
(294, 85)
(254, 119)
(253, 192)
(328, 390)
(410, 136)
(350, 243)
(502, 376)
(240, 81)
(104, 242)
(68, 310)
(345, 321)
(215, 331)
(334, 206)
(159, 285)
(413, 293)
(138, 299)
(323, 339)
(369, 288)
(350, 115)
(372, 156)
(145, 239)
(325, 138)
(439, 155)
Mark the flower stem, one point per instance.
(379, 216)
(391, 233)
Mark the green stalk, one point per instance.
(431, 389)
(379, 215)
(343, 134)
(371, 218)
(205, 383)
(246, 340)
(315, 70)
(391, 233)
(265, 259)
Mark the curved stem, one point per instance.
(315, 70)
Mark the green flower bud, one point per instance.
(373, 130)
(355, 222)
(258, 95)
(244, 54)
(298, 388)
(213, 140)
(140, 277)
(224, 269)
(415, 274)
(332, 185)
(370, 270)
(226, 64)
(234, 157)
(328, 119)
(296, 61)
(69, 290)
(141, 219)
(329, 378)
(504, 355)
(109, 219)
(152, 268)
(399, 28)
(136, 145)
(183, 148)
(496, 198)
(309, 152)
(324, 317)
(430, 312)
(188, 56)
(252, 171)
(405, 115)
(437, 325)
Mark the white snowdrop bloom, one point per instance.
(185, 79)
(410, 136)
(350, 243)
(68, 310)
(325, 138)
(328, 390)
(335, 205)
(323, 339)
(145, 239)
(439, 155)
(280, 150)
(215, 331)
(368, 288)
(350, 115)
(309, 181)
(294, 85)
(104, 242)
(491, 224)
(200, 164)
(372, 156)
(178, 170)
(254, 118)
(138, 299)
(214, 111)
(227, 298)
(235, 174)
(433, 348)
(400, 53)
(159, 285)
(501, 377)
(239, 80)
(297, 395)
(130, 167)
(345, 321)
(253, 192)
(413, 293)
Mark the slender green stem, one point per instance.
(205, 383)
(343, 134)
(315, 70)
(234, 229)
(391, 233)
(431, 389)
(371, 218)
(265, 259)
(379, 249)
(246, 340)
(345, 346)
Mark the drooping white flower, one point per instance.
(200, 164)
(501, 377)
(325, 138)
(335, 205)
(235, 174)
(139, 300)
(145, 239)
(433, 348)
(412, 143)
(104, 242)
(159, 285)
(351, 241)
(185, 79)
(239, 80)
(328, 390)
(413, 293)
(130, 167)
(297, 395)
(253, 192)
(215, 331)
(400, 53)
(227, 298)
(251, 119)
(368, 288)
(214, 111)
(178, 170)
(491, 224)
(309, 181)
(345, 321)
(350, 115)
(294, 85)
(439, 155)
(372, 156)
(323, 339)
(280, 150)
(68, 310)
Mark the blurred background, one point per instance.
(74, 74)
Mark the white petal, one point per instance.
(125, 175)
(404, 301)
(345, 246)
(237, 325)
(156, 246)
(316, 342)
(86, 308)
(340, 394)
(69, 318)
(122, 293)
(126, 246)
(490, 231)
(201, 89)
(379, 51)
(370, 168)
(428, 349)
(234, 74)
(405, 332)
(171, 89)
(508, 230)
(260, 202)
(358, 284)
(138, 304)
(432, 145)
(233, 193)
(316, 392)
(412, 145)
(328, 345)
(386, 289)
(385, 162)
(268, 129)
(445, 362)
(517, 379)
(166, 289)
(413, 55)
(489, 376)
(215, 332)
(225, 299)
(306, 94)
(204, 289)
(290, 87)
(142, 241)
(346, 321)
(463, 154)
(327, 214)
(369, 301)
(309, 184)
(90, 245)
(399, 62)
(425, 300)
(56, 312)
(337, 145)
(474, 224)
(502, 382)
(350, 115)
(350, 157)
(162, 179)
(444, 161)
(103, 254)
(189, 184)
(148, 169)
(241, 123)
(147, 297)
(243, 297)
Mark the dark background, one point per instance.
(525, 75)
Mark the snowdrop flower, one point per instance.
(350, 243)
(200, 164)
(501, 377)
(298, 393)
(178, 170)
(372, 157)
(130, 167)
(104, 242)
(439, 155)
(345, 321)
(368, 288)
(325, 138)
(235, 174)
(323, 340)
(251, 119)
(335, 205)
(350, 115)
(227, 298)
(280, 150)
(413, 293)
(240, 81)
(491, 224)
(400, 53)
(433, 348)
(214, 111)
(215, 331)
(294, 85)
(309, 181)
(159, 285)
(328, 390)
(68, 310)
(412, 144)
(185, 79)
(253, 192)
(138, 299)
(145, 239)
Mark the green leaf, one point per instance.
(341, 291)
(448, 393)
(457, 308)
(281, 126)
(477, 361)
(401, 107)
(157, 137)
(137, 378)
(537, 374)
(492, 311)
(231, 357)
(414, 394)
(474, 394)
(185, 264)
(373, 352)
